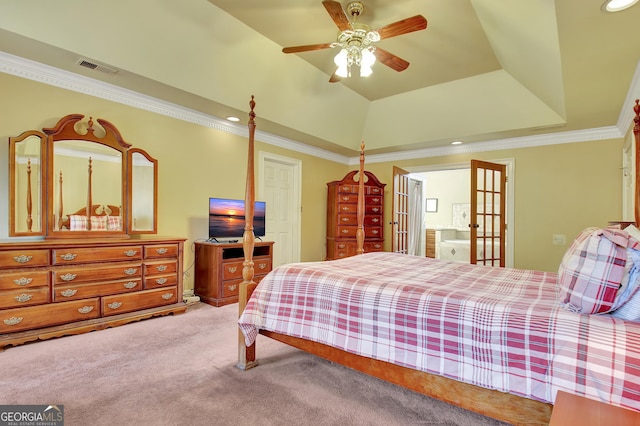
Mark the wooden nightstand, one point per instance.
(575, 410)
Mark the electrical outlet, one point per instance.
(559, 239)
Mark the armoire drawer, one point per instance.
(23, 258)
(64, 292)
(96, 254)
(27, 278)
(19, 319)
(24, 297)
(118, 304)
(100, 272)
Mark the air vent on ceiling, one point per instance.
(98, 67)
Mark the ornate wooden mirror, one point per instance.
(92, 183)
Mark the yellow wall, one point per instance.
(194, 162)
(559, 189)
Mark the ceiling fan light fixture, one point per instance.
(611, 6)
(368, 59)
(342, 61)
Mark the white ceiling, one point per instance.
(482, 70)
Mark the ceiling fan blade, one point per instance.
(409, 25)
(337, 14)
(392, 61)
(307, 48)
(335, 77)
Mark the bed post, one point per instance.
(247, 354)
(360, 208)
(636, 134)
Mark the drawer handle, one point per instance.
(377, 246)
(23, 297)
(376, 200)
(114, 305)
(345, 188)
(13, 320)
(68, 292)
(345, 219)
(375, 220)
(342, 246)
(375, 190)
(130, 271)
(345, 209)
(161, 268)
(341, 254)
(262, 266)
(232, 269)
(375, 231)
(130, 284)
(162, 250)
(68, 277)
(167, 296)
(345, 231)
(22, 258)
(68, 256)
(376, 210)
(130, 253)
(345, 198)
(23, 281)
(85, 309)
(233, 287)
(161, 281)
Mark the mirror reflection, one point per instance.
(142, 193)
(87, 176)
(26, 174)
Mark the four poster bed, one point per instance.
(498, 341)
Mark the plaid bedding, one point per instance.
(498, 328)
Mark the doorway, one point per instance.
(447, 190)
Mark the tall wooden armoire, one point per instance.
(342, 222)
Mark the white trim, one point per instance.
(25, 68)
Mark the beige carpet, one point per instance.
(180, 371)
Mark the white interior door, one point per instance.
(280, 188)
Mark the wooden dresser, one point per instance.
(53, 288)
(342, 203)
(218, 269)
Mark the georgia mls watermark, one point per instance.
(31, 415)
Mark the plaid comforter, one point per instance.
(498, 328)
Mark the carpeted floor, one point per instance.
(180, 371)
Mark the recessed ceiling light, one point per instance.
(456, 143)
(617, 5)
(232, 118)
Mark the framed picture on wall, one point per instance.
(431, 205)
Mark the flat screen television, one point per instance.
(226, 218)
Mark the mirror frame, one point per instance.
(71, 128)
(13, 197)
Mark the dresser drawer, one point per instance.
(373, 246)
(231, 270)
(114, 305)
(64, 292)
(96, 254)
(100, 272)
(344, 249)
(372, 231)
(160, 267)
(27, 278)
(24, 297)
(19, 319)
(160, 281)
(160, 250)
(347, 219)
(22, 258)
(347, 231)
(261, 266)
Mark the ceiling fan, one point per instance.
(357, 41)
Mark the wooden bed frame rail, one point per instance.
(502, 406)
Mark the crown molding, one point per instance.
(32, 70)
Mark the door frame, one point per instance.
(510, 216)
(296, 206)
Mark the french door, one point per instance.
(400, 211)
(488, 213)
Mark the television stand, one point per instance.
(218, 269)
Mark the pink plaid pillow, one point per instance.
(98, 223)
(114, 223)
(77, 222)
(593, 269)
